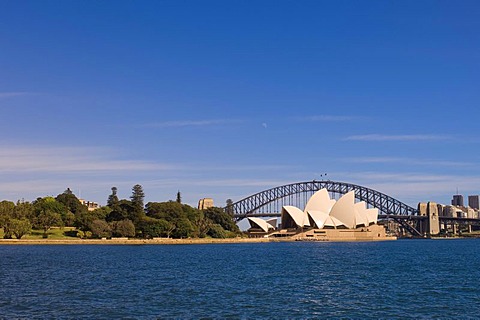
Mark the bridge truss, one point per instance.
(268, 203)
(271, 200)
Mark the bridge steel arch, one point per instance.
(384, 203)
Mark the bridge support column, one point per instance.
(423, 227)
(433, 224)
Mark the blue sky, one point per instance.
(223, 99)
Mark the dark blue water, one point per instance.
(409, 279)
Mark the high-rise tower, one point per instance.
(474, 201)
(457, 200)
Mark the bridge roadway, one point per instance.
(413, 224)
(380, 217)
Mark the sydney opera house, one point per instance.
(325, 219)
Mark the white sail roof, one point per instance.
(361, 217)
(299, 217)
(262, 224)
(333, 222)
(318, 217)
(325, 212)
(372, 215)
(272, 222)
(344, 210)
(320, 201)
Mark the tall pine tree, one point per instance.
(112, 201)
(137, 203)
(179, 197)
(137, 196)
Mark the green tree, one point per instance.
(202, 224)
(179, 197)
(151, 228)
(73, 207)
(220, 217)
(198, 220)
(112, 201)
(190, 212)
(123, 228)
(169, 211)
(229, 208)
(187, 220)
(216, 231)
(183, 229)
(68, 218)
(123, 210)
(47, 213)
(137, 201)
(84, 219)
(19, 227)
(83, 222)
(70, 201)
(100, 228)
(137, 196)
(24, 210)
(102, 212)
(7, 209)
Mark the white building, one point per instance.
(321, 212)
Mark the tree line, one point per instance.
(119, 218)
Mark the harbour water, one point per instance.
(405, 279)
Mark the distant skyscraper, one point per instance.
(474, 201)
(457, 200)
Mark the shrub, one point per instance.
(123, 228)
(151, 227)
(216, 231)
(100, 229)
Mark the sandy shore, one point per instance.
(122, 241)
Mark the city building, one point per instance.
(457, 200)
(205, 203)
(474, 201)
(450, 211)
(470, 213)
(89, 204)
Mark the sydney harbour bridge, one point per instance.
(269, 203)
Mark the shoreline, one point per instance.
(168, 241)
(158, 241)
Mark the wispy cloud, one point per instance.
(412, 187)
(29, 171)
(191, 123)
(13, 94)
(410, 161)
(328, 118)
(68, 159)
(224, 183)
(240, 168)
(406, 137)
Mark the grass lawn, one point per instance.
(53, 233)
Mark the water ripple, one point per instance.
(387, 280)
